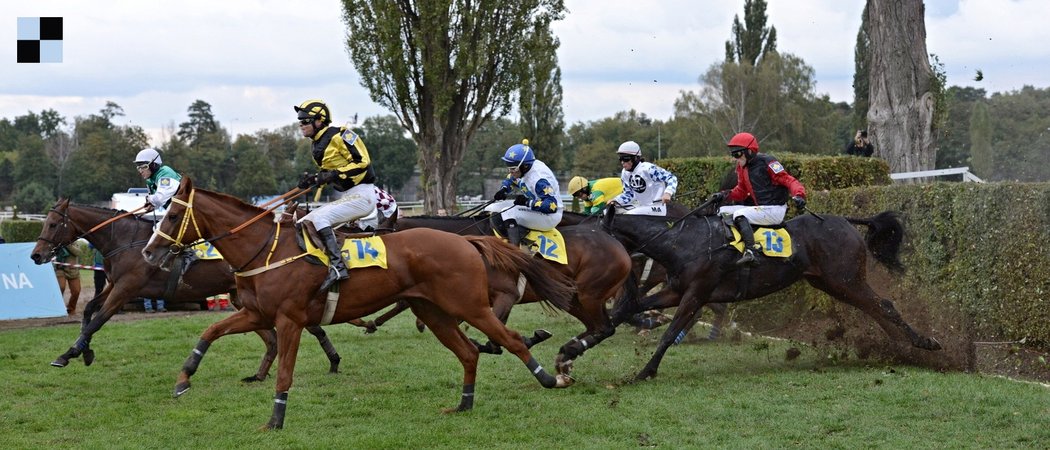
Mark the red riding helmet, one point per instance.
(743, 140)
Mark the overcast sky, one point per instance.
(253, 60)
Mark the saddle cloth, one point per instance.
(357, 252)
(775, 242)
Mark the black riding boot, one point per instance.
(514, 232)
(338, 267)
(748, 236)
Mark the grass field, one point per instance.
(393, 384)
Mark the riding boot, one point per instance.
(748, 236)
(514, 232)
(338, 267)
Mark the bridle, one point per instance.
(189, 217)
(70, 223)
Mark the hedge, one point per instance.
(21, 230)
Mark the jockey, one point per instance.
(537, 204)
(763, 186)
(647, 187)
(162, 181)
(343, 160)
(595, 193)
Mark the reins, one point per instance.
(674, 224)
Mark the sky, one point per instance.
(252, 60)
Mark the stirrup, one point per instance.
(747, 259)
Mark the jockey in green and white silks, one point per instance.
(162, 181)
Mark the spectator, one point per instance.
(860, 146)
(99, 271)
(67, 274)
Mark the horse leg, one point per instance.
(398, 308)
(684, 317)
(82, 346)
(326, 345)
(241, 321)
(720, 310)
(591, 312)
(269, 338)
(861, 296)
(487, 323)
(288, 334)
(446, 329)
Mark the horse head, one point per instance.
(178, 228)
(58, 231)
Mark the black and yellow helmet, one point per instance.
(314, 109)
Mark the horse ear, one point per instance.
(186, 184)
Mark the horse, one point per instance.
(130, 277)
(828, 251)
(650, 275)
(444, 277)
(599, 265)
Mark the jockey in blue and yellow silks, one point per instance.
(536, 201)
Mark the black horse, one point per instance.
(827, 251)
(651, 274)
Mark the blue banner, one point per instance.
(26, 289)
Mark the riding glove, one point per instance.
(308, 180)
(501, 194)
(800, 202)
(717, 197)
(521, 200)
(327, 176)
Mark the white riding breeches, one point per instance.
(757, 215)
(355, 203)
(524, 216)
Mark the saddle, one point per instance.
(364, 249)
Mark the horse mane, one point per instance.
(111, 211)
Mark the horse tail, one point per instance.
(884, 237)
(556, 289)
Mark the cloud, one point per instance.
(253, 60)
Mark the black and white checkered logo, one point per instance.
(39, 39)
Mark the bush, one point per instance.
(21, 230)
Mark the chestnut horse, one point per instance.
(599, 265)
(444, 277)
(130, 277)
(827, 251)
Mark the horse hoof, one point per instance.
(251, 379)
(60, 362)
(89, 356)
(563, 380)
(541, 335)
(645, 375)
(933, 344)
(181, 388)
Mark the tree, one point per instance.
(255, 174)
(202, 122)
(751, 40)
(33, 198)
(444, 68)
(861, 84)
(202, 149)
(981, 156)
(393, 154)
(903, 85)
(103, 162)
(539, 100)
(954, 138)
(481, 158)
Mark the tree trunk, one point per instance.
(438, 166)
(901, 111)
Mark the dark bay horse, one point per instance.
(443, 276)
(651, 274)
(129, 276)
(599, 265)
(828, 252)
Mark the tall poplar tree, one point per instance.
(861, 85)
(539, 100)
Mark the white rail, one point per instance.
(964, 171)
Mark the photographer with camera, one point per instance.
(860, 146)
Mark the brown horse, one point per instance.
(599, 265)
(130, 277)
(443, 277)
(827, 251)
